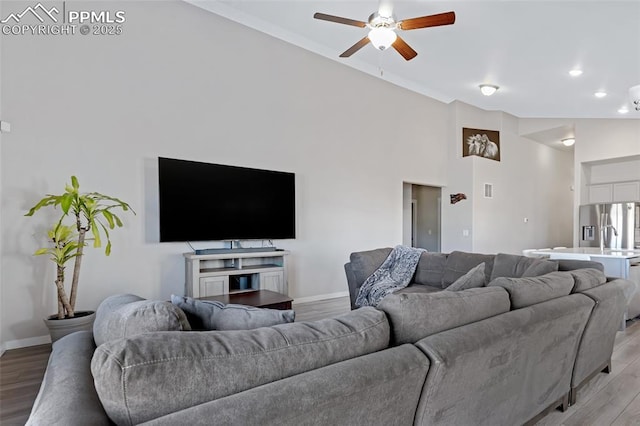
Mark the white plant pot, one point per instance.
(58, 328)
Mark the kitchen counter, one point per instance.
(588, 251)
(616, 261)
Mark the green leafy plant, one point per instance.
(91, 212)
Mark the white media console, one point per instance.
(223, 273)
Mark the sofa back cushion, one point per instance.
(125, 315)
(459, 263)
(413, 316)
(572, 264)
(430, 269)
(540, 267)
(364, 263)
(586, 279)
(147, 376)
(528, 291)
(516, 266)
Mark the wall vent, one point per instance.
(488, 190)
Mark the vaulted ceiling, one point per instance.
(527, 48)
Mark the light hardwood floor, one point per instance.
(609, 399)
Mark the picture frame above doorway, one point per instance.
(481, 143)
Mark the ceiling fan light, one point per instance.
(568, 141)
(488, 89)
(382, 37)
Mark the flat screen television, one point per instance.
(207, 202)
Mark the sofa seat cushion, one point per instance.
(214, 315)
(587, 278)
(418, 315)
(418, 288)
(124, 315)
(528, 291)
(430, 269)
(150, 375)
(459, 263)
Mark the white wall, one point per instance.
(456, 218)
(531, 181)
(596, 140)
(604, 139)
(407, 197)
(184, 83)
(2, 348)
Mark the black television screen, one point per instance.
(205, 202)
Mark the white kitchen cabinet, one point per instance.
(601, 193)
(614, 192)
(626, 191)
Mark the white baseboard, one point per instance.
(320, 297)
(23, 343)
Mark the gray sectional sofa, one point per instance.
(501, 354)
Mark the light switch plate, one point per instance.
(5, 127)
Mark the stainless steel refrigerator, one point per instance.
(619, 223)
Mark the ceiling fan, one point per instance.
(382, 30)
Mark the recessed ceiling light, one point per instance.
(623, 110)
(568, 141)
(575, 73)
(600, 94)
(488, 89)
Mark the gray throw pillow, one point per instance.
(472, 279)
(126, 315)
(214, 315)
(540, 267)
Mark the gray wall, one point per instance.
(428, 217)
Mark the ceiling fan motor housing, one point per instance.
(376, 21)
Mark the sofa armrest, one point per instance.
(361, 265)
(596, 344)
(354, 288)
(67, 395)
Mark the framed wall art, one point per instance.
(483, 143)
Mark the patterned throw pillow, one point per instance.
(472, 279)
(214, 315)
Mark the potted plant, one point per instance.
(92, 213)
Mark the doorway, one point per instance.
(422, 216)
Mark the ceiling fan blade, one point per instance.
(353, 49)
(339, 20)
(404, 49)
(447, 18)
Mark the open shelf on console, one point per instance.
(222, 273)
